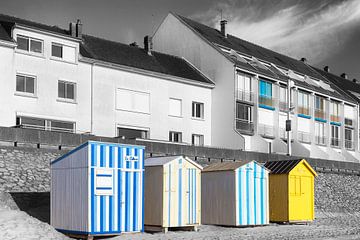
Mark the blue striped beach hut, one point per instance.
(235, 194)
(97, 189)
(172, 193)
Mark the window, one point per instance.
(175, 136)
(133, 101)
(66, 90)
(265, 93)
(320, 133)
(129, 133)
(243, 118)
(197, 140)
(334, 111)
(349, 135)
(198, 110)
(175, 107)
(66, 53)
(303, 103)
(29, 44)
(243, 86)
(349, 115)
(335, 136)
(319, 107)
(25, 84)
(45, 124)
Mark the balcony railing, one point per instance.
(304, 137)
(283, 134)
(304, 111)
(45, 128)
(335, 118)
(266, 101)
(320, 140)
(245, 96)
(348, 122)
(244, 126)
(349, 144)
(266, 130)
(320, 113)
(335, 142)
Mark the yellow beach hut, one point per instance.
(291, 191)
(172, 193)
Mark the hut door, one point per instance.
(191, 196)
(306, 197)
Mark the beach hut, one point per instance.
(97, 189)
(235, 194)
(291, 191)
(172, 193)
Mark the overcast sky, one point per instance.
(326, 32)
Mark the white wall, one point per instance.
(47, 71)
(158, 121)
(173, 37)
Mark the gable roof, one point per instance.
(285, 166)
(227, 166)
(215, 37)
(160, 161)
(114, 52)
(131, 56)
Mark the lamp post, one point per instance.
(290, 85)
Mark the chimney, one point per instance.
(344, 75)
(78, 29)
(72, 29)
(222, 27)
(148, 44)
(326, 69)
(304, 60)
(354, 80)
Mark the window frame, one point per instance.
(29, 39)
(25, 93)
(47, 124)
(144, 131)
(172, 136)
(201, 139)
(194, 110)
(181, 107)
(56, 58)
(65, 91)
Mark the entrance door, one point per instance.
(301, 204)
(191, 196)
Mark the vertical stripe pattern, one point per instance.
(121, 211)
(192, 208)
(251, 190)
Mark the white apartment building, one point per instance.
(251, 94)
(62, 80)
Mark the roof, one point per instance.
(160, 161)
(285, 166)
(225, 166)
(114, 52)
(250, 49)
(131, 56)
(349, 86)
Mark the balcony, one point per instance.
(304, 137)
(267, 102)
(335, 142)
(320, 114)
(335, 118)
(349, 144)
(46, 128)
(244, 96)
(320, 140)
(244, 126)
(349, 122)
(266, 131)
(304, 111)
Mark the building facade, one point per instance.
(251, 93)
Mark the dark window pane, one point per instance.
(36, 46)
(70, 91)
(33, 121)
(56, 51)
(131, 133)
(61, 90)
(23, 43)
(65, 126)
(20, 83)
(30, 85)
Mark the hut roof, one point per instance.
(160, 161)
(285, 166)
(226, 166)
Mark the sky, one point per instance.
(325, 32)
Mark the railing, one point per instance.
(266, 100)
(266, 130)
(349, 144)
(304, 137)
(335, 118)
(283, 134)
(244, 126)
(320, 113)
(45, 128)
(335, 142)
(304, 110)
(320, 140)
(348, 122)
(245, 96)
